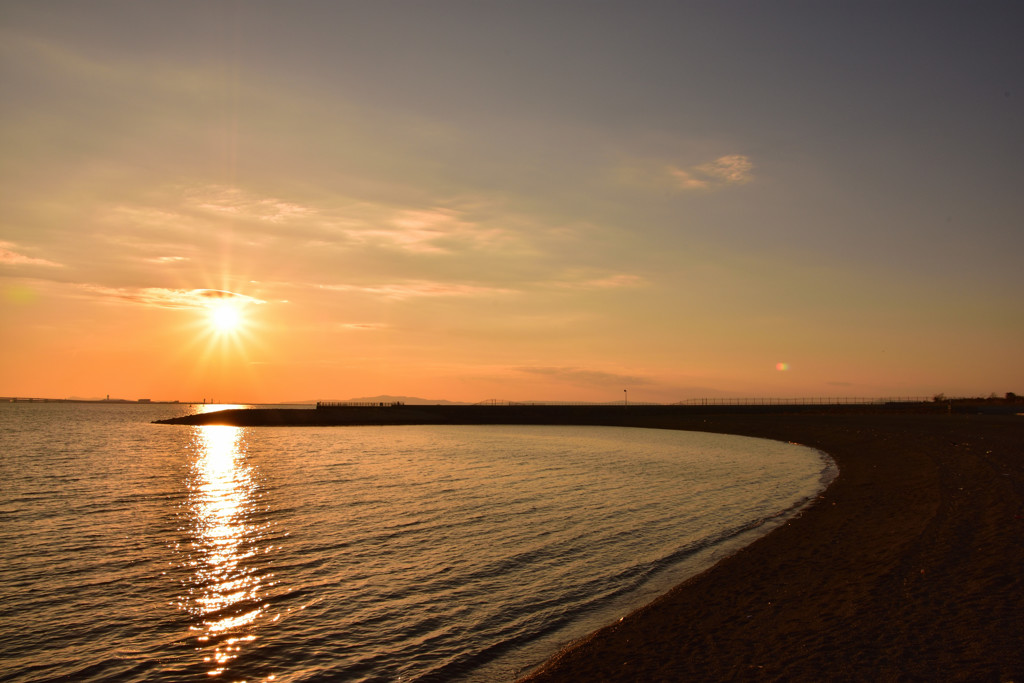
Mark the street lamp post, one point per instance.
(625, 397)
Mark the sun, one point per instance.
(225, 317)
(224, 329)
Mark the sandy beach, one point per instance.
(909, 567)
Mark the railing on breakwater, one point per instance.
(766, 401)
(499, 402)
(814, 401)
(755, 401)
(358, 404)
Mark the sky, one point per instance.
(266, 201)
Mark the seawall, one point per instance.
(618, 415)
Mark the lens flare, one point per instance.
(782, 367)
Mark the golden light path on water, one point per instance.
(226, 584)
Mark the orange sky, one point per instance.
(510, 200)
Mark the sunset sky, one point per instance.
(270, 201)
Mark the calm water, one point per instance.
(132, 551)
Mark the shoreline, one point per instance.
(909, 566)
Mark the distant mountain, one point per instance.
(99, 398)
(385, 398)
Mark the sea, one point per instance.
(131, 551)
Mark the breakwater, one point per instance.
(613, 415)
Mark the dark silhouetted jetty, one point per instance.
(619, 414)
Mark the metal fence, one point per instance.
(499, 402)
(755, 401)
(813, 401)
(358, 404)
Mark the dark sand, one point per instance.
(909, 567)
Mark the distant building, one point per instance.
(145, 400)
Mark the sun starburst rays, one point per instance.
(219, 337)
(226, 318)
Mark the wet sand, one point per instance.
(909, 567)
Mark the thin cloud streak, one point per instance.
(585, 378)
(168, 259)
(419, 289)
(363, 327)
(622, 280)
(732, 169)
(235, 203)
(159, 297)
(198, 212)
(9, 257)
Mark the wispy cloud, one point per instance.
(363, 327)
(686, 179)
(622, 280)
(420, 288)
(427, 229)
(725, 171)
(732, 169)
(412, 289)
(236, 203)
(160, 297)
(426, 219)
(9, 257)
(585, 378)
(168, 259)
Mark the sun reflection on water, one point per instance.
(226, 587)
